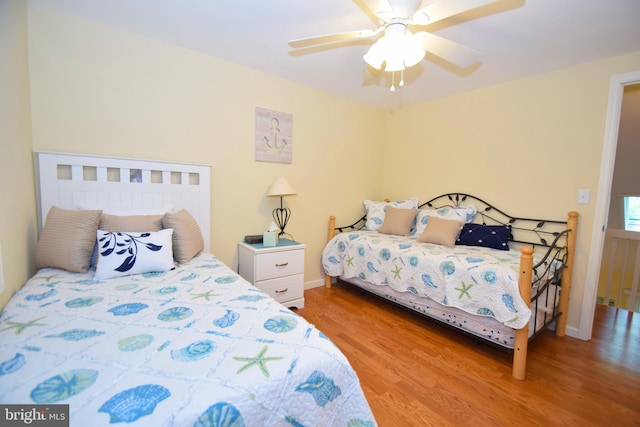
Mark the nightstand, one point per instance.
(275, 270)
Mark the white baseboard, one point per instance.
(314, 284)
(573, 332)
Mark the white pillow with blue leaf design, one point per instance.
(464, 214)
(375, 210)
(126, 253)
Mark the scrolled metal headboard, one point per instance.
(527, 231)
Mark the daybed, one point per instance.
(137, 340)
(461, 261)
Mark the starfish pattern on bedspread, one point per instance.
(259, 360)
(464, 290)
(396, 272)
(20, 327)
(349, 261)
(207, 295)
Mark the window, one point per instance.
(632, 213)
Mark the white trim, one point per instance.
(573, 332)
(314, 284)
(607, 165)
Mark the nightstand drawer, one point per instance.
(279, 264)
(277, 270)
(284, 288)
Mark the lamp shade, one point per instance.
(280, 187)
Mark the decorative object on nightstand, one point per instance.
(277, 271)
(281, 215)
(270, 237)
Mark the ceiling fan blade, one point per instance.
(330, 38)
(445, 8)
(453, 52)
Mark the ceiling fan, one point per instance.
(399, 47)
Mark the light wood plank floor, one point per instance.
(416, 372)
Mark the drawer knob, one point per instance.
(284, 264)
(282, 291)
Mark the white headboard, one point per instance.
(121, 186)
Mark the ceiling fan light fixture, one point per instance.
(377, 54)
(413, 54)
(394, 63)
(396, 50)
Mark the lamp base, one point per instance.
(281, 217)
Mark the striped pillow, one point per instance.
(67, 239)
(187, 237)
(131, 223)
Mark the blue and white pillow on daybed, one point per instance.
(375, 210)
(464, 214)
(123, 254)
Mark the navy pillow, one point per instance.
(490, 236)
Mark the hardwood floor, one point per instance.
(416, 372)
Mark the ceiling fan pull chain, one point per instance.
(401, 78)
(393, 77)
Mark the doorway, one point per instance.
(607, 165)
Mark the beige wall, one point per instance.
(17, 199)
(527, 146)
(99, 90)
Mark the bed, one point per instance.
(463, 262)
(136, 340)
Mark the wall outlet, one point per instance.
(583, 197)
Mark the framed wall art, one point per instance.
(274, 136)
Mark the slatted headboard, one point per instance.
(122, 186)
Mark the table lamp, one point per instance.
(281, 215)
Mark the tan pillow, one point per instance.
(131, 223)
(187, 237)
(398, 221)
(441, 231)
(67, 239)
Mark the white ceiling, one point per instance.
(516, 38)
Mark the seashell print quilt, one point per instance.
(477, 280)
(195, 346)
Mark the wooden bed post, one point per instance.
(332, 233)
(567, 273)
(522, 334)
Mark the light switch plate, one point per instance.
(583, 197)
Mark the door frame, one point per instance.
(607, 165)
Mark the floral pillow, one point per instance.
(464, 214)
(376, 210)
(123, 254)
